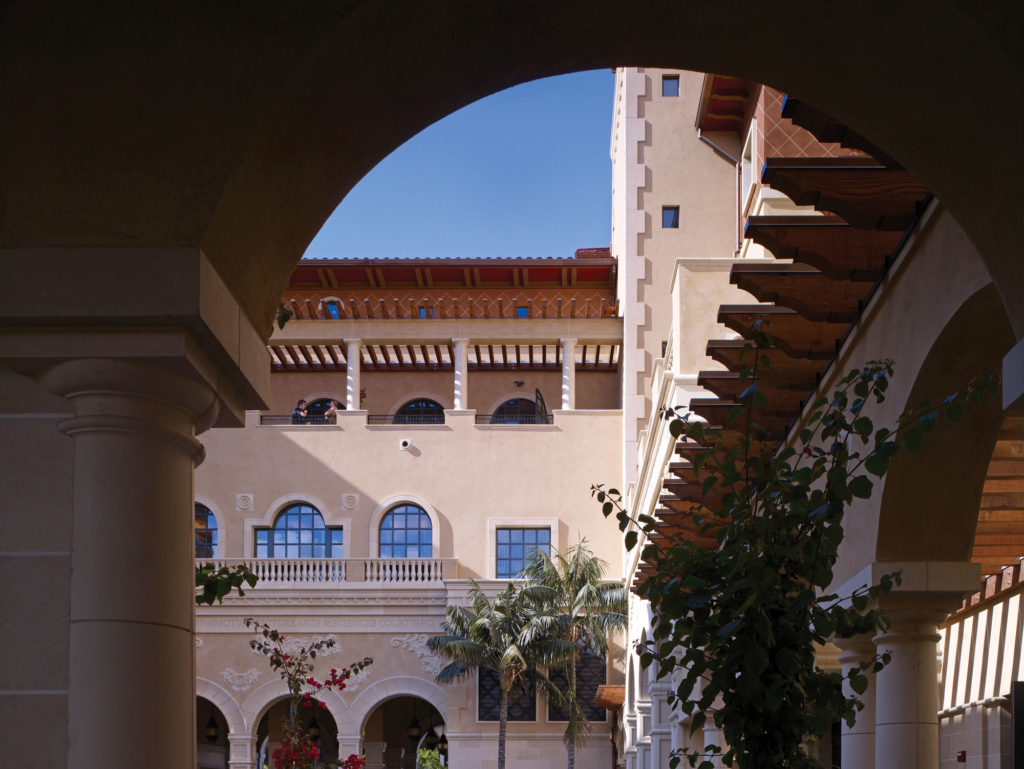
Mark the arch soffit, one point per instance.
(397, 686)
(903, 117)
(399, 499)
(227, 704)
(423, 395)
(922, 516)
(278, 505)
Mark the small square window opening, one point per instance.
(333, 310)
(522, 312)
(670, 217)
(426, 312)
(670, 85)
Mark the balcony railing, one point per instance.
(280, 420)
(524, 419)
(405, 419)
(325, 572)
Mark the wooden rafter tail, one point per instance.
(862, 190)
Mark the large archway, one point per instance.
(245, 144)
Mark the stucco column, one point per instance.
(353, 363)
(907, 689)
(858, 741)
(713, 736)
(241, 751)
(568, 374)
(461, 364)
(132, 624)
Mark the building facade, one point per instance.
(829, 241)
(479, 400)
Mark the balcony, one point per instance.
(518, 419)
(332, 572)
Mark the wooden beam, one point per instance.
(804, 289)
(790, 331)
(826, 243)
(862, 190)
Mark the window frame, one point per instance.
(524, 559)
(381, 544)
(216, 545)
(667, 79)
(523, 696)
(673, 223)
(526, 522)
(293, 508)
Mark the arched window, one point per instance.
(205, 532)
(405, 532)
(421, 411)
(299, 532)
(315, 411)
(518, 411)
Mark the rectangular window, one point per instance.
(522, 702)
(522, 312)
(670, 217)
(590, 674)
(426, 312)
(333, 310)
(514, 547)
(670, 85)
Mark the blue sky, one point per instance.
(522, 173)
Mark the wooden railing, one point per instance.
(314, 572)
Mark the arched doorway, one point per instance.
(319, 723)
(398, 728)
(211, 736)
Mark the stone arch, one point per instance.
(227, 704)
(923, 516)
(876, 92)
(264, 697)
(397, 686)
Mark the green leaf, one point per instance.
(861, 486)
(863, 427)
(631, 537)
(955, 411)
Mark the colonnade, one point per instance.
(460, 383)
(899, 724)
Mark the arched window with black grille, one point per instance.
(205, 532)
(406, 532)
(421, 411)
(517, 411)
(299, 532)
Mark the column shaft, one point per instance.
(132, 606)
(242, 751)
(907, 692)
(568, 374)
(461, 383)
(858, 741)
(353, 363)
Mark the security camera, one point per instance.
(404, 444)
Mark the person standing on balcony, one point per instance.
(299, 413)
(330, 415)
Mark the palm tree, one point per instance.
(491, 635)
(572, 603)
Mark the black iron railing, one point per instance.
(521, 419)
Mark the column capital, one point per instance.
(111, 395)
(460, 340)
